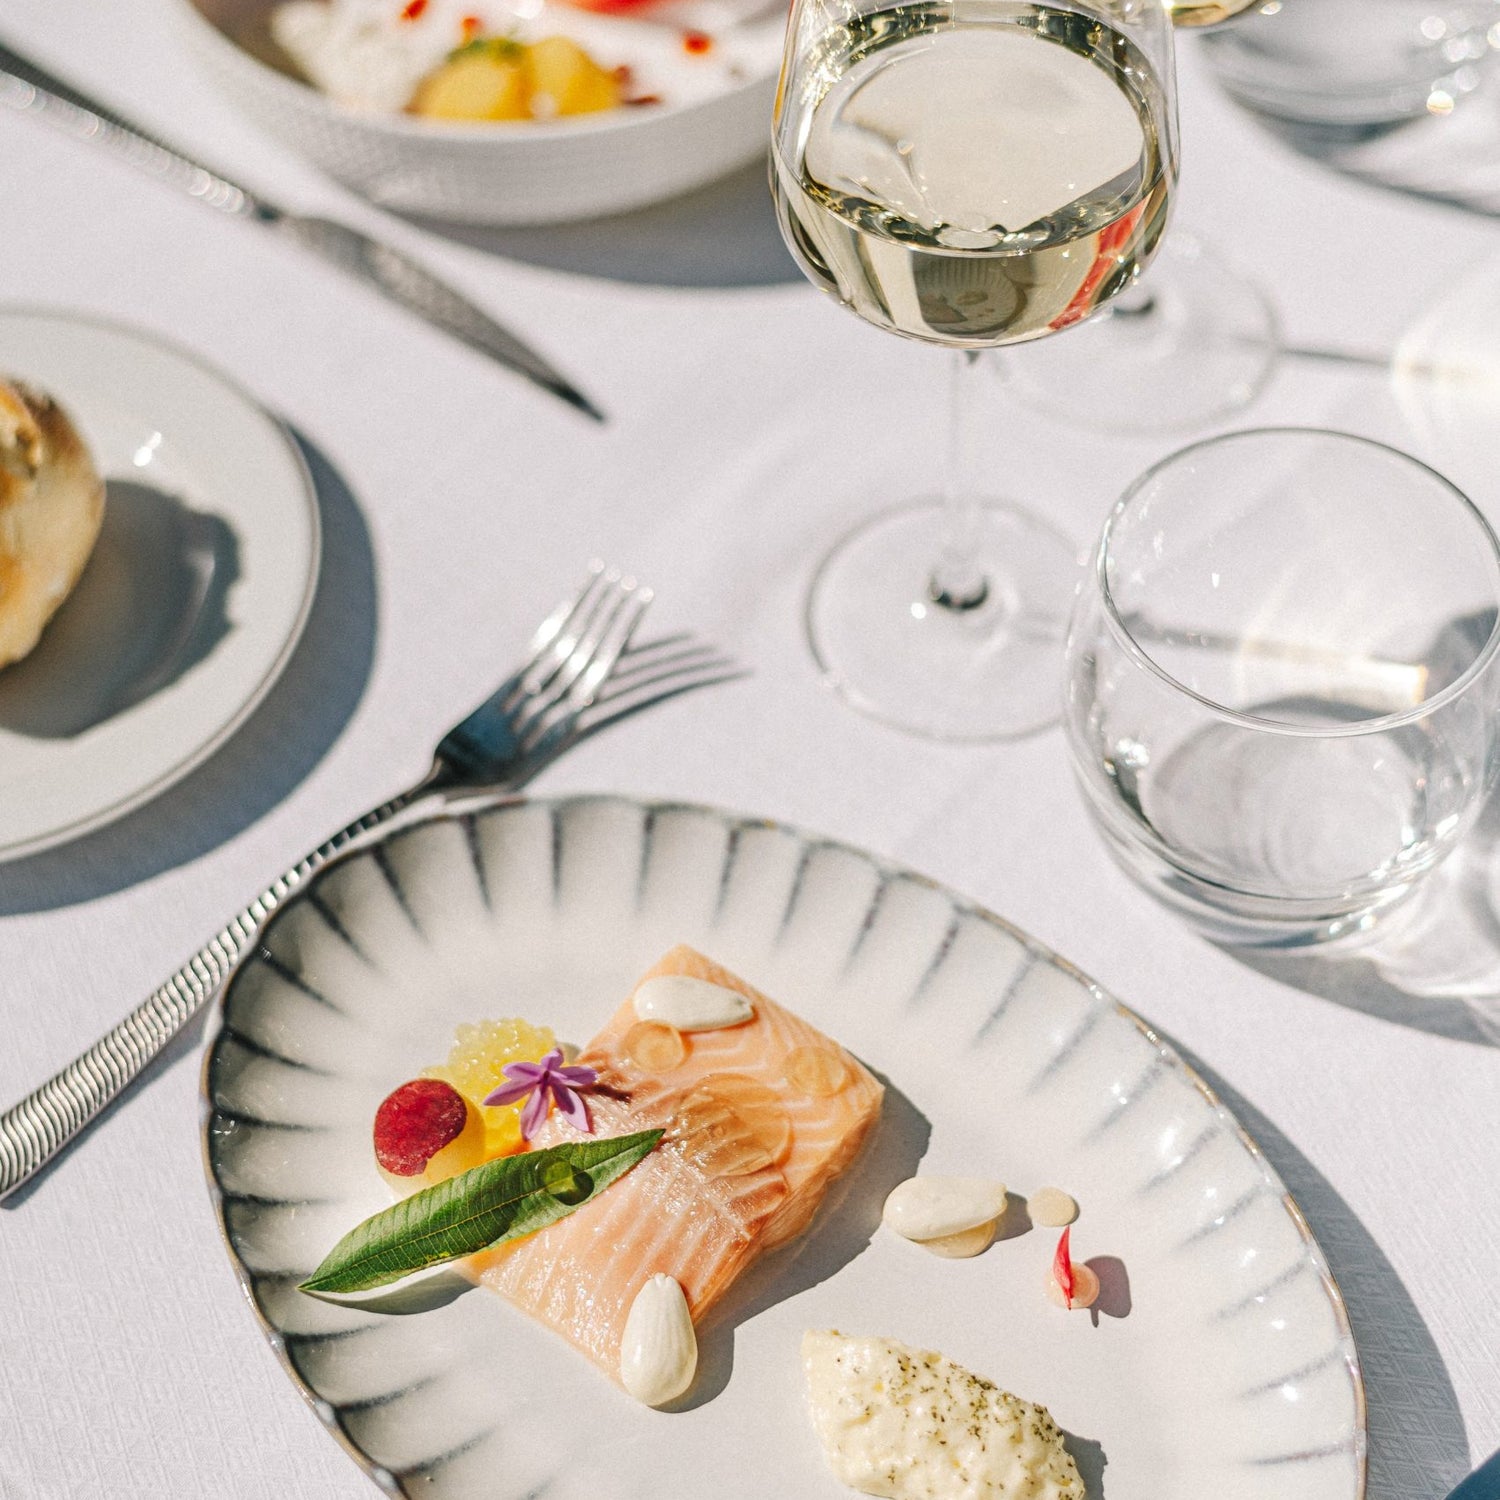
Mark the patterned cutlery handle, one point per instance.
(26, 86)
(35, 1130)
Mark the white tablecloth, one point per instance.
(750, 421)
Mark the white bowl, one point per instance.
(506, 173)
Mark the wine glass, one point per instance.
(968, 173)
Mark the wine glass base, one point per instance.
(1192, 345)
(991, 671)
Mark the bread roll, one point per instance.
(51, 508)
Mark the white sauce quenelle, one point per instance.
(935, 1208)
(659, 1350)
(905, 1423)
(688, 1004)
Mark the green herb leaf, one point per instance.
(487, 1205)
(498, 48)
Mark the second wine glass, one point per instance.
(968, 173)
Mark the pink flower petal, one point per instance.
(572, 1107)
(508, 1093)
(551, 1060)
(578, 1077)
(532, 1071)
(534, 1114)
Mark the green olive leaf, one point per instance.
(497, 1201)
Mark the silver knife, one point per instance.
(32, 90)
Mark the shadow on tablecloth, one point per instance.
(723, 235)
(1418, 1446)
(150, 606)
(281, 742)
(1433, 964)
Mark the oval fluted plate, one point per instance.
(1219, 1361)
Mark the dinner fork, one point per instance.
(582, 672)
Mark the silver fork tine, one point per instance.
(571, 723)
(557, 636)
(645, 662)
(591, 661)
(491, 733)
(612, 648)
(601, 600)
(703, 668)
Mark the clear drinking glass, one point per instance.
(968, 173)
(1281, 690)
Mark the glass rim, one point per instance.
(1378, 725)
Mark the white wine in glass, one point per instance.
(969, 173)
(943, 126)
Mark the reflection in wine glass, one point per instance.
(1192, 344)
(969, 173)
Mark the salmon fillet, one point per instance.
(747, 1158)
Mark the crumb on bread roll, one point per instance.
(51, 508)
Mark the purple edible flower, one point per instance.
(537, 1079)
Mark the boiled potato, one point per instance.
(489, 83)
(565, 80)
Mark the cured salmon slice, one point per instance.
(759, 1118)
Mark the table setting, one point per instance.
(1030, 744)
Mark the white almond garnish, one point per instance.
(1051, 1208)
(932, 1208)
(659, 1350)
(688, 1004)
(964, 1245)
(912, 1425)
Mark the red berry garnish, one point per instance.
(415, 1122)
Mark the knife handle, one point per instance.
(33, 90)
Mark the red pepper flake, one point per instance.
(412, 9)
(470, 26)
(1062, 1268)
(696, 42)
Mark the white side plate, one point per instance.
(1221, 1364)
(195, 595)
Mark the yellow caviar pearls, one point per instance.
(475, 1067)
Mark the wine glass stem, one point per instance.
(957, 581)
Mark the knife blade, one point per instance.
(31, 89)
